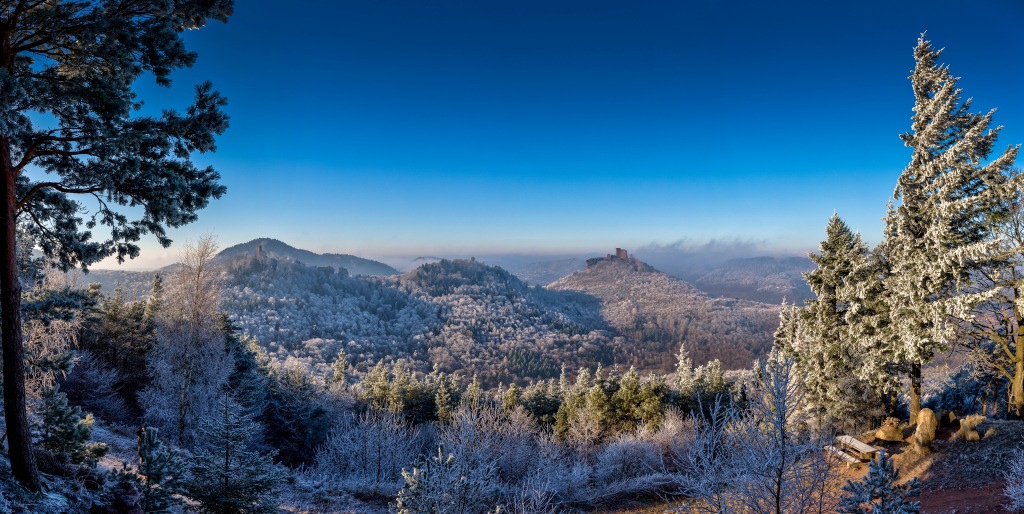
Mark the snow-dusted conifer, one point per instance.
(63, 429)
(228, 475)
(879, 493)
(816, 338)
(340, 370)
(940, 231)
(161, 474)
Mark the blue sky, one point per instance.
(383, 128)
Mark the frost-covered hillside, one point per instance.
(658, 311)
(277, 250)
(469, 318)
(498, 327)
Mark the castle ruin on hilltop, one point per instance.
(620, 255)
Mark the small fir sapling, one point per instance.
(879, 493)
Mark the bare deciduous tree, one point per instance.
(190, 361)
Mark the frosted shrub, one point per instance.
(1015, 482)
(626, 458)
(763, 459)
(447, 484)
(700, 461)
(484, 435)
(566, 477)
(366, 455)
(880, 491)
(95, 387)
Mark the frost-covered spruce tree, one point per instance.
(878, 492)
(228, 475)
(159, 480)
(940, 230)
(63, 429)
(868, 322)
(816, 338)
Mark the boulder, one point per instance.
(889, 433)
(927, 422)
(969, 427)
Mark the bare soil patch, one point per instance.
(958, 476)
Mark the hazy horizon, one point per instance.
(398, 129)
(710, 252)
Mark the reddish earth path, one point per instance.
(985, 499)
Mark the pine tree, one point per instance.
(868, 322)
(879, 493)
(228, 475)
(816, 338)
(445, 398)
(510, 398)
(85, 141)
(161, 474)
(376, 386)
(62, 429)
(474, 394)
(154, 302)
(340, 370)
(941, 230)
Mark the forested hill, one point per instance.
(496, 326)
(658, 311)
(461, 316)
(467, 317)
(274, 249)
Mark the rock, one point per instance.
(927, 422)
(889, 433)
(969, 425)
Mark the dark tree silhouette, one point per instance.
(74, 62)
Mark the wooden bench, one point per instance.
(849, 459)
(861, 450)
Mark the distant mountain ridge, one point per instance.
(275, 249)
(763, 279)
(546, 272)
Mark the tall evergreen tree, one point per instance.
(75, 61)
(941, 229)
(816, 337)
(868, 322)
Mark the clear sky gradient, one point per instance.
(379, 127)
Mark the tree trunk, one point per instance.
(1017, 385)
(23, 461)
(915, 391)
